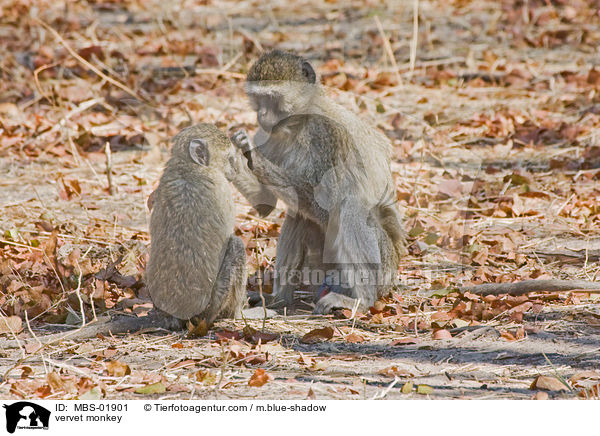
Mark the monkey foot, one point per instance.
(332, 301)
(257, 313)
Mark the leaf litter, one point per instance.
(495, 159)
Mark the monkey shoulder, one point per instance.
(193, 203)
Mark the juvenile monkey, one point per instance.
(197, 266)
(196, 269)
(332, 170)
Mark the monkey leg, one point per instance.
(229, 290)
(364, 254)
(290, 259)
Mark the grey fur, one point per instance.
(197, 266)
(333, 173)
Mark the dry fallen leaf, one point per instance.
(154, 388)
(394, 371)
(116, 368)
(424, 390)
(317, 335)
(405, 341)
(10, 324)
(259, 378)
(442, 334)
(319, 365)
(198, 329)
(548, 383)
(584, 375)
(353, 338)
(407, 387)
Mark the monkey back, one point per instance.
(191, 222)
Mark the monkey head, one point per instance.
(206, 146)
(280, 84)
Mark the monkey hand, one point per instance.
(242, 140)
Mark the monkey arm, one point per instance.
(293, 189)
(257, 193)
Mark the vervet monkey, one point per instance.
(197, 265)
(332, 170)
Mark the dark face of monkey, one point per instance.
(279, 85)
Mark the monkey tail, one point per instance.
(105, 326)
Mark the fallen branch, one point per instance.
(527, 286)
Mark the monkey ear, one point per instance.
(308, 72)
(199, 151)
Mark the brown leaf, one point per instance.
(110, 352)
(10, 324)
(442, 334)
(317, 335)
(593, 77)
(440, 316)
(70, 189)
(197, 329)
(507, 335)
(206, 377)
(591, 392)
(27, 371)
(226, 335)
(451, 188)
(516, 316)
(394, 371)
(587, 375)
(255, 336)
(548, 383)
(31, 347)
(405, 341)
(111, 275)
(319, 365)
(57, 384)
(353, 338)
(259, 378)
(116, 368)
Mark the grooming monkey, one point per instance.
(332, 171)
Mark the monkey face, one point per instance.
(275, 101)
(269, 109)
(280, 84)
